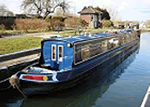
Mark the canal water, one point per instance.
(125, 86)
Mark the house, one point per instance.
(92, 16)
(125, 24)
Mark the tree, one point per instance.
(43, 7)
(105, 13)
(84, 7)
(113, 12)
(4, 11)
(59, 12)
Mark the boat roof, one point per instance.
(78, 38)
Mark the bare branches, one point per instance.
(43, 7)
(4, 11)
(113, 12)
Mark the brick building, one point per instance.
(92, 16)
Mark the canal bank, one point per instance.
(11, 63)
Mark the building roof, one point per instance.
(91, 11)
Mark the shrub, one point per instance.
(53, 23)
(30, 24)
(7, 23)
(60, 18)
(2, 27)
(82, 22)
(107, 23)
(72, 22)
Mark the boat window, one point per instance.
(95, 49)
(87, 49)
(60, 53)
(53, 52)
(85, 52)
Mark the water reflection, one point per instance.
(11, 98)
(84, 95)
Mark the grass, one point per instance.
(17, 44)
(20, 31)
(72, 32)
(62, 33)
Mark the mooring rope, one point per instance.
(21, 92)
(14, 81)
(4, 80)
(4, 89)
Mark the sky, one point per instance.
(131, 10)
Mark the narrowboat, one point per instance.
(67, 61)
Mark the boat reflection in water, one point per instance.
(86, 93)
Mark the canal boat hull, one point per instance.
(75, 77)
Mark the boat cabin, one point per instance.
(61, 53)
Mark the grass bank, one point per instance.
(18, 44)
(20, 31)
(72, 32)
(62, 33)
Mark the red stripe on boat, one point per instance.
(33, 77)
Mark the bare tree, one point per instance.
(113, 12)
(4, 11)
(59, 12)
(43, 7)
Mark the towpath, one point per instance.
(19, 60)
(24, 58)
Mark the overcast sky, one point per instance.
(134, 10)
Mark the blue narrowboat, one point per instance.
(67, 61)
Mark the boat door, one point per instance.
(57, 53)
(64, 56)
(60, 55)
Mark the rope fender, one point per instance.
(14, 81)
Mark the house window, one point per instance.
(53, 52)
(60, 53)
(92, 18)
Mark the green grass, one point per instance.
(97, 30)
(72, 32)
(17, 44)
(21, 31)
(62, 33)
